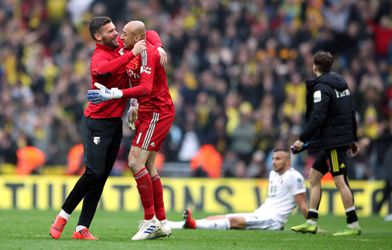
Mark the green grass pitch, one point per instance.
(29, 229)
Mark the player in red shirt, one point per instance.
(155, 116)
(101, 127)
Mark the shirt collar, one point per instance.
(103, 47)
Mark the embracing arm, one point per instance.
(102, 93)
(147, 72)
(153, 37)
(137, 91)
(101, 66)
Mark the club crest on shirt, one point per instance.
(317, 96)
(300, 183)
(133, 64)
(96, 140)
(133, 69)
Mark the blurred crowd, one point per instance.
(236, 72)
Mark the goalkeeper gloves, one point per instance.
(103, 94)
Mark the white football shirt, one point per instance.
(281, 191)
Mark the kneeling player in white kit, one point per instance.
(286, 190)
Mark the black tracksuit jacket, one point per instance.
(330, 115)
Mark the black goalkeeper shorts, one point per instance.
(332, 160)
(101, 141)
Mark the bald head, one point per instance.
(136, 27)
(133, 32)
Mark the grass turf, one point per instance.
(28, 229)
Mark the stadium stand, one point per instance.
(223, 55)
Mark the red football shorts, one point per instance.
(152, 129)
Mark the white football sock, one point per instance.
(213, 224)
(311, 222)
(64, 214)
(175, 224)
(353, 225)
(79, 227)
(350, 209)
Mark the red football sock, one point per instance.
(145, 189)
(159, 205)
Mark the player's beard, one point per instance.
(111, 43)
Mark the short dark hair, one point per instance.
(281, 149)
(96, 24)
(323, 61)
(285, 150)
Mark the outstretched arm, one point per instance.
(102, 94)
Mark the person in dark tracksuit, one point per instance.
(101, 127)
(330, 132)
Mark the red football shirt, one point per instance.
(149, 84)
(107, 67)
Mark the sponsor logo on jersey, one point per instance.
(133, 74)
(343, 93)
